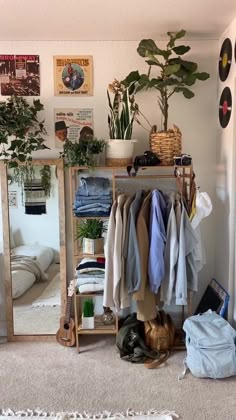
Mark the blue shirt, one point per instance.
(157, 240)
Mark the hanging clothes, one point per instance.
(125, 299)
(131, 251)
(186, 271)
(117, 257)
(171, 254)
(109, 254)
(145, 299)
(157, 238)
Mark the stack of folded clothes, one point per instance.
(90, 274)
(93, 197)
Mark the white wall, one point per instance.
(225, 185)
(196, 117)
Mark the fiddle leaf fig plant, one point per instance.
(21, 132)
(174, 74)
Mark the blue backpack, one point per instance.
(210, 344)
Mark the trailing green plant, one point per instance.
(21, 132)
(82, 153)
(25, 174)
(45, 174)
(175, 75)
(88, 308)
(90, 229)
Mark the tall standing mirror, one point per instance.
(34, 249)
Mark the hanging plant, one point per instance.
(45, 173)
(21, 132)
(26, 174)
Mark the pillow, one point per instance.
(12, 241)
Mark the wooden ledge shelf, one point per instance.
(83, 255)
(91, 217)
(100, 328)
(92, 294)
(120, 168)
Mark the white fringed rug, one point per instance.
(40, 414)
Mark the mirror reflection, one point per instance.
(35, 249)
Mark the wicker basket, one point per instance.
(166, 144)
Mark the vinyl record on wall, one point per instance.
(225, 59)
(225, 107)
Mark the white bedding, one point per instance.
(43, 254)
(22, 280)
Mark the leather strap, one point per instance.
(152, 364)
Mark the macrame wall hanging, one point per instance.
(35, 198)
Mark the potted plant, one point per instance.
(83, 153)
(175, 75)
(122, 112)
(90, 231)
(88, 314)
(21, 132)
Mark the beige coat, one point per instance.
(146, 300)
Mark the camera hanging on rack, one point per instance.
(147, 159)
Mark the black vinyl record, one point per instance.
(225, 59)
(225, 107)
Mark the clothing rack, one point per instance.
(184, 177)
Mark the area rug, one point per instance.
(128, 414)
(51, 296)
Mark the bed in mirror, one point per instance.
(34, 249)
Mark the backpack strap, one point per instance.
(152, 364)
(182, 375)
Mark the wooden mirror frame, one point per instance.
(7, 251)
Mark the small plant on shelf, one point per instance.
(88, 308)
(90, 232)
(84, 153)
(88, 314)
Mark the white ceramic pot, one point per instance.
(88, 323)
(119, 152)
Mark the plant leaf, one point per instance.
(186, 92)
(190, 66)
(202, 76)
(181, 49)
(172, 69)
(146, 47)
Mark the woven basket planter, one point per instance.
(166, 144)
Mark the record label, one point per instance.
(225, 107)
(225, 59)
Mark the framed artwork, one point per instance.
(73, 75)
(19, 75)
(12, 199)
(73, 124)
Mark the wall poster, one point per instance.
(73, 124)
(19, 75)
(73, 75)
(12, 199)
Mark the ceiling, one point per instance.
(113, 19)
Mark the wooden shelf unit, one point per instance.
(78, 254)
(184, 176)
(99, 328)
